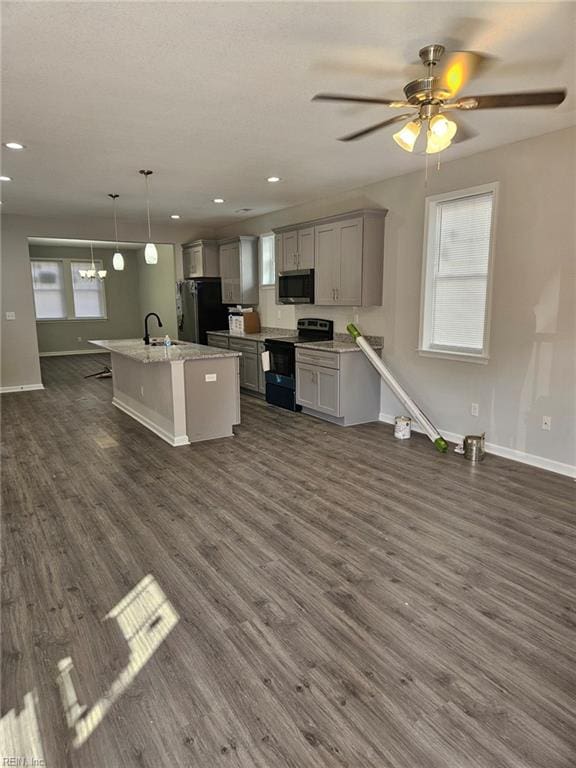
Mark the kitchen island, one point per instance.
(184, 393)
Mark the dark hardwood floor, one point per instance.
(319, 596)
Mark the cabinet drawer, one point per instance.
(217, 341)
(243, 345)
(317, 357)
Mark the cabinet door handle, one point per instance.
(336, 291)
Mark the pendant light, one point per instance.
(117, 258)
(92, 273)
(150, 252)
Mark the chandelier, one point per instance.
(92, 273)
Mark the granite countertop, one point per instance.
(342, 343)
(264, 333)
(135, 349)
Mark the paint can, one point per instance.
(402, 427)
(474, 447)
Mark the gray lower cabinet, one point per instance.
(261, 372)
(217, 340)
(250, 363)
(342, 388)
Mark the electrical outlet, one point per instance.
(547, 423)
(474, 409)
(210, 377)
(10, 315)
(356, 317)
(141, 391)
(78, 338)
(278, 315)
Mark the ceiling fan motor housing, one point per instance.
(425, 89)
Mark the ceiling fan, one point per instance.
(430, 97)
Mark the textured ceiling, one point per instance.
(215, 97)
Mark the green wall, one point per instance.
(157, 289)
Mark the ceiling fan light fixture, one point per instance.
(436, 144)
(442, 128)
(406, 136)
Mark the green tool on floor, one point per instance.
(401, 394)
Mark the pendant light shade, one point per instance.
(406, 137)
(117, 258)
(118, 261)
(150, 252)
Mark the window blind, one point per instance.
(89, 300)
(459, 277)
(48, 286)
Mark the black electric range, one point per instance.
(281, 377)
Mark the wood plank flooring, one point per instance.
(343, 599)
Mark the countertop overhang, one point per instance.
(135, 349)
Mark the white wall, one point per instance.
(531, 371)
(20, 365)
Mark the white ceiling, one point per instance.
(215, 97)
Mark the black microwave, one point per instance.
(296, 287)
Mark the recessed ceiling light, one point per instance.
(174, 215)
(273, 179)
(5, 178)
(13, 145)
(218, 200)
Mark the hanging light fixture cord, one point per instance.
(146, 174)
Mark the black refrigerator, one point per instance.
(200, 308)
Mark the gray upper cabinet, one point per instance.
(298, 249)
(346, 252)
(239, 270)
(200, 259)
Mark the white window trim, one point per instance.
(69, 293)
(265, 286)
(428, 264)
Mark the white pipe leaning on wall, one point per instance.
(401, 394)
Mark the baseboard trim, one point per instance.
(175, 442)
(21, 388)
(75, 352)
(499, 450)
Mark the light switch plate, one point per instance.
(10, 315)
(210, 377)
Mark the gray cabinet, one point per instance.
(239, 270)
(217, 340)
(250, 365)
(342, 388)
(298, 249)
(346, 252)
(200, 259)
(339, 262)
(261, 372)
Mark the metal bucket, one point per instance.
(474, 447)
(402, 427)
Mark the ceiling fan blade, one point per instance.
(458, 69)
(372, 128)
(359, 99)
(527, 99)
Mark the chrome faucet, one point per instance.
(146, 334)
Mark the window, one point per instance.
(458, 243)
(89, 298)
(61, 294)
(49, 295)
(267, 263)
